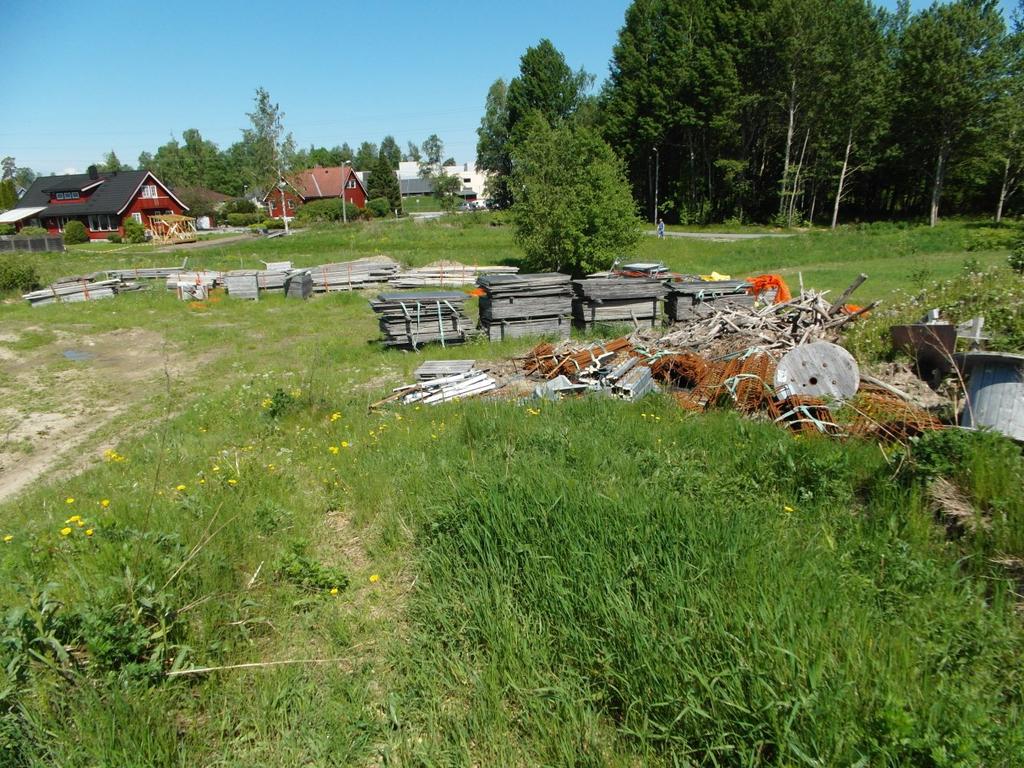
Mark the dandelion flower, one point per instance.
(65, 531)
(374, 578)
(266, 402)
(335, 416)
(74, 519)
(105, 503)
(202, 481)
(787, 508)
(344, 443)
(80, 523)
(333, 449)
(8, 538)
(232, 481)
(88, 532)
(69, 500)
(334, 590)
(216, 468)
(180, 488)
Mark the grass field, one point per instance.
(596, 583)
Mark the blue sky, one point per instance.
(82, 78)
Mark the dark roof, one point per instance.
(109, 197)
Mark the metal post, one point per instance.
(657, 164)
(344, 186)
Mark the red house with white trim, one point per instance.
(315, 184)
(101, 201)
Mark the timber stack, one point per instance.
(696, 300)
(412, 319)
(618, 300)
(446, 274)
(353, 275)
(84, 290)
(525, 305)
(298, 284)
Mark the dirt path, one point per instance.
(186, 247)
(59, 396)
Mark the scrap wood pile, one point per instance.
(353, 275)
(618, 299)
(525, 305)
(727, 325)
(411, 319)
(446, 274)
(67, 291)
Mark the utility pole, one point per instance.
(657, 164)
(344, 186)
(284, 210)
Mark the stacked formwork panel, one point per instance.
(525, 305)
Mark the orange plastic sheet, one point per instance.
(762, 283)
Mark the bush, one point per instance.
(74, 232)
(320, 211)
(6, 229)
(244, 219)
(1016, 258)
(33, 231)
(991, 239)
(273, 224)
(239, 206)
(16, 275)
(114, 238)
(134, 232)
(379, 207)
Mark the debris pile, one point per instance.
(81, 290)
(617, 300)
(411, 319)
(700, 299)
(443, 389)
(439, 369)
(525, 305)
(353, 275)
(446, 274)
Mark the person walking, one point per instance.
(661, 229)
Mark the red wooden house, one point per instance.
(315, 184)
(101, 201)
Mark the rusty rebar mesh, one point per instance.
(683, 370)
(592, 356)
(809, 415)
(883, 416)
(540, 359)
(744, 383)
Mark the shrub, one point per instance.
(6, 229)
(74, 232)
(273, 224)
(33, 231)
(244, 219)
(990, 239)
(239, 206)
(16, 275)
(320, 211)
(134, 232)
(1016, 258)
(114, 238)
(378, 207)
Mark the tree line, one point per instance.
(789, 111)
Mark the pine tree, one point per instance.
(384, 183)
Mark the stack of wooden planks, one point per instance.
(446, 274)
(439, 369)
(149, 273)
(298, 284)
(525, 305)
(412, 319)
(695, 300)
(85, 290)
(250, 283)
(618, 299)
(353, 275)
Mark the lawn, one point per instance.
(484, 583)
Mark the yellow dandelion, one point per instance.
(232, 481)
(69, 500)
(333, 449)
(80, 523)
(180, 488)
(266, 402)
(344, 443)
(787, 508)
(335, 416)
(89, 532)
(104, 503)
(334, 590)
(8, 538)
(374, 578)
(65, 531)
(216, 468)
(73, 519)
(202, 481)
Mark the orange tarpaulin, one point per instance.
(762, 283)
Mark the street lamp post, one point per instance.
(657, 163)
(284, 211)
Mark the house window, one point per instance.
(67, 195)
(102, 222)
(137, 216)
(149, 190)
(466, 180)
(61, 221)
(350, 184)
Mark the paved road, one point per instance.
(720, 237)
